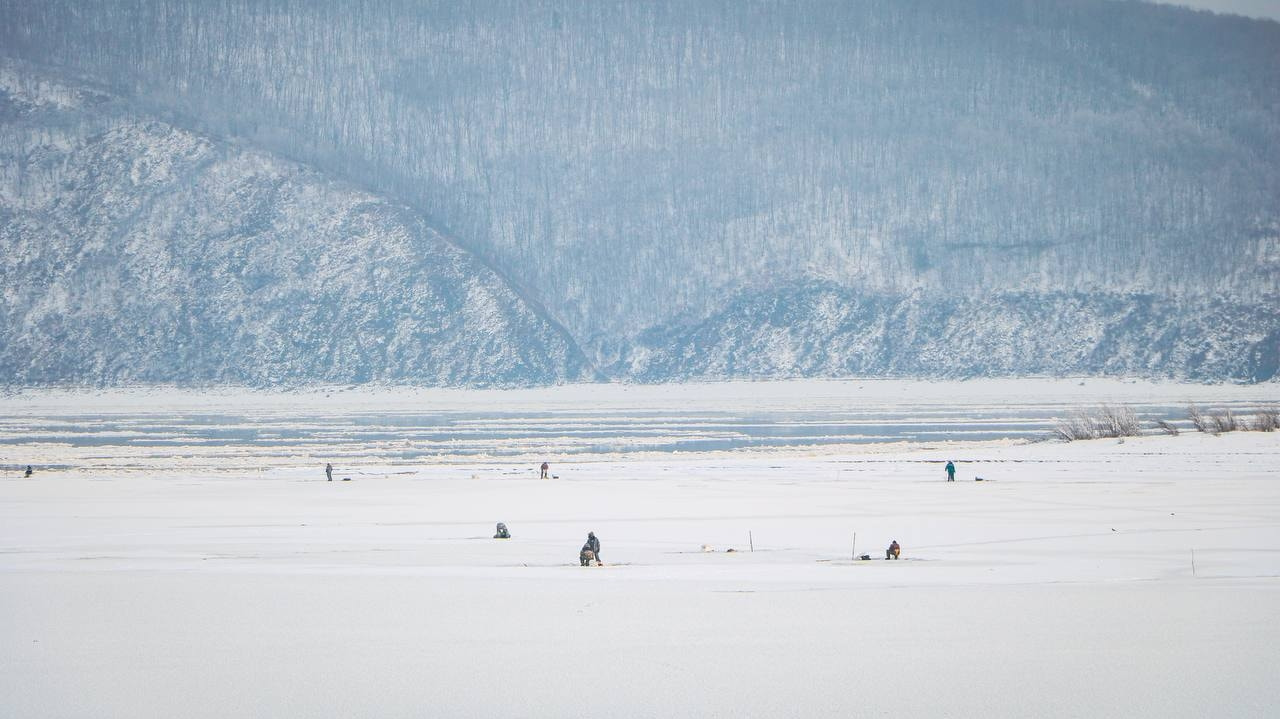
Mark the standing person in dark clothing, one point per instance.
(590, 551)
(328, 471)
(546, 469)
(27, 473)
(951, 471)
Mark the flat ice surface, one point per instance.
(372, 430)
(1085, 579)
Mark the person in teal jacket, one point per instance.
(951, 471)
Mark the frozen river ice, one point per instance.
(145, 431)
(1134, 579)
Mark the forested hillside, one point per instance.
(821, 330)
(135, 252)
(626, 166)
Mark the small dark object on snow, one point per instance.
(27, 473)
(346, 479)
(865, 557)
(979, 479)
(501, 532)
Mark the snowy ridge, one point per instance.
(819, 329)
(136, 251)
(627, 177)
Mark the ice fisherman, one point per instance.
(951, 471)
(590, 550)
(27, 473)
(893, 551)
(500, 532)
(328, 471)
(546, 470)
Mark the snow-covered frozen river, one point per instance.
(122, 431)
(181, 554)
(465, 434)
(1086, 579)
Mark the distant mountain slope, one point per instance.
(134, 251)
(634, 160)
(469, 191)
(827, 331)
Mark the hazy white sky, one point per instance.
(1252, 8)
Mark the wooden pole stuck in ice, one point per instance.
(1193, 561)
(751, 541)
(853, 551)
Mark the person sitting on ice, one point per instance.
(28, 472)
(502, 532)
(893, 551)
(590, 551)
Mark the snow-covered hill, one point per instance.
(493, 192)
(636, 160)
(134, 251)
(827, 331)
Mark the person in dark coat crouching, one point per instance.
(590, 551)
(893, 551)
